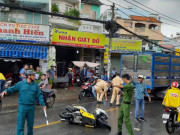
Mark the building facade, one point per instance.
(24, 35)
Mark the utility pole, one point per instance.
(110, 42)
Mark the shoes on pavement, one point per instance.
(137, 120)
(142, 119)
(118, 105)
(119, 133)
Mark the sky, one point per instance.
(170, 8)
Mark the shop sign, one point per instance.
(24, 32)
(124, 45)
(78, 39)
(106, 55)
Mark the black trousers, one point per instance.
(70, 82)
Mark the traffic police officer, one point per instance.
(28, 93)
(125, 109)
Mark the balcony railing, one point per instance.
(140, 29)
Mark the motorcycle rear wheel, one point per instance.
(103, 123)
(170, 127)
(50, 101)
(81, 95)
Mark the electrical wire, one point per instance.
(137, 21)
(151, 12)
(155, 10)
(76, 18)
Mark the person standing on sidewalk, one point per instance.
(2, 82)
(28, 93)
(70, 77)
(141, 91)
(125, 109)
(51, 74)
(38, 75)
(23, 72)
(116, 81)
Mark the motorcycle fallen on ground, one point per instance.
(79, 115)
(87, 91)
(170, 117)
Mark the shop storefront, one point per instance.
(12, 53)
(119, 47)
(76, 46)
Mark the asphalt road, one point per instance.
(153, 125)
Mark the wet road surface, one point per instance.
(153, 125)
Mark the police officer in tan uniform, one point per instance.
(99, 87)
(116, 81)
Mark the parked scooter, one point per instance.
(79, 115)
(170, 119)
(50, 100)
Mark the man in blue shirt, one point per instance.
(51, 74)
(141, 91)
(105, 78)
(23, 72)
(28, 93)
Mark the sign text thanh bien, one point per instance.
(24, 32)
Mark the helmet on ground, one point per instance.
(175, 84)
(30, 72)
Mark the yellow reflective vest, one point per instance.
(172, 98)
(2, 77)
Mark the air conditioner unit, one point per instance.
(5, 9)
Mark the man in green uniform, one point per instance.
(125, 109)
(28, 93)
(38, 75)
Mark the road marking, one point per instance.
(45, 125)
(57, 122)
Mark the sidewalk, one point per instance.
(63, 95)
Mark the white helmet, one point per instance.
(141, 76)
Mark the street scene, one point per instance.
(94, 67)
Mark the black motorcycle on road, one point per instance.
(170, 119)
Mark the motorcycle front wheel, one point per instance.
(50, 101)
(103, 124)
(81, 95)
(170, 127)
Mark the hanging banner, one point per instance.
(24, 32)
(106, 54)
(78, 39)
(124, 45)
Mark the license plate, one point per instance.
(165, 116)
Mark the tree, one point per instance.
(74, 13)
(55, 8)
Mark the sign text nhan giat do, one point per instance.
(78, 39)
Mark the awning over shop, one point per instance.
(82, 63)
(23, 51)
